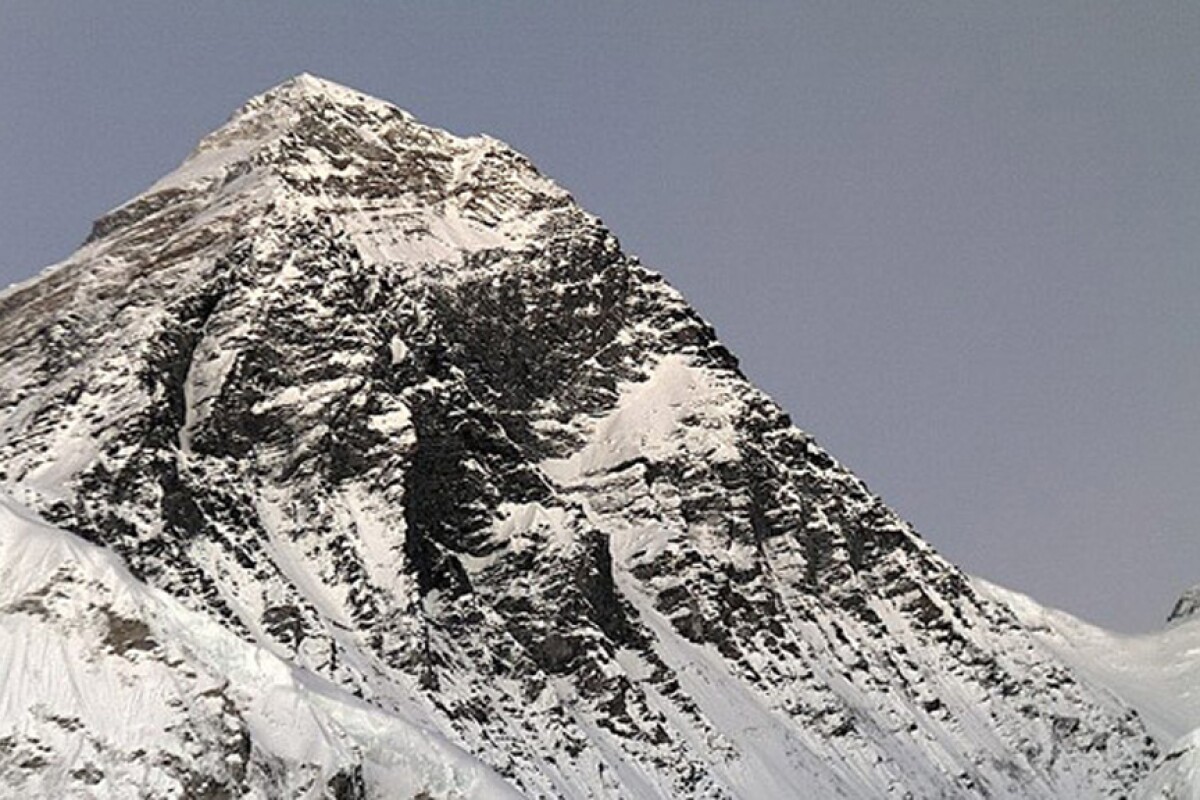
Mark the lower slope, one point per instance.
(1157, 673)
(110, 688)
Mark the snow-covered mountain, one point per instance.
(1158, 674)
(354, 459)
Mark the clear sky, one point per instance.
(959, 241)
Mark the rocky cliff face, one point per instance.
(386, 404)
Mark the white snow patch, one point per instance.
(396, 421)
(398, 349)
(680, 407)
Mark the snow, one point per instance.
(394, 422)
(648, 423)
(766, 757)
(1156, 673)
(75, 450)
(56, 591)
(1178, 774)
(397, 349)
(206, 375)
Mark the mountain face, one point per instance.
(354, 459)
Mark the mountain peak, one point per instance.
(303, 105)
(1187, 606)
(306, 87)
(310, 143)
(316, 84)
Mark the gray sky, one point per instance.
(958, 241)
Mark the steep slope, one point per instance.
(386, 402)
(111, 689)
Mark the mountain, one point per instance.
(354, 459)
(1187, 606)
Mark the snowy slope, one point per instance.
(1177, 776)
(385, 404)
(109, 688)
(1156, 673)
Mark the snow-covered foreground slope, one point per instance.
(1156, 673)
(387, 404)
(109, 688)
